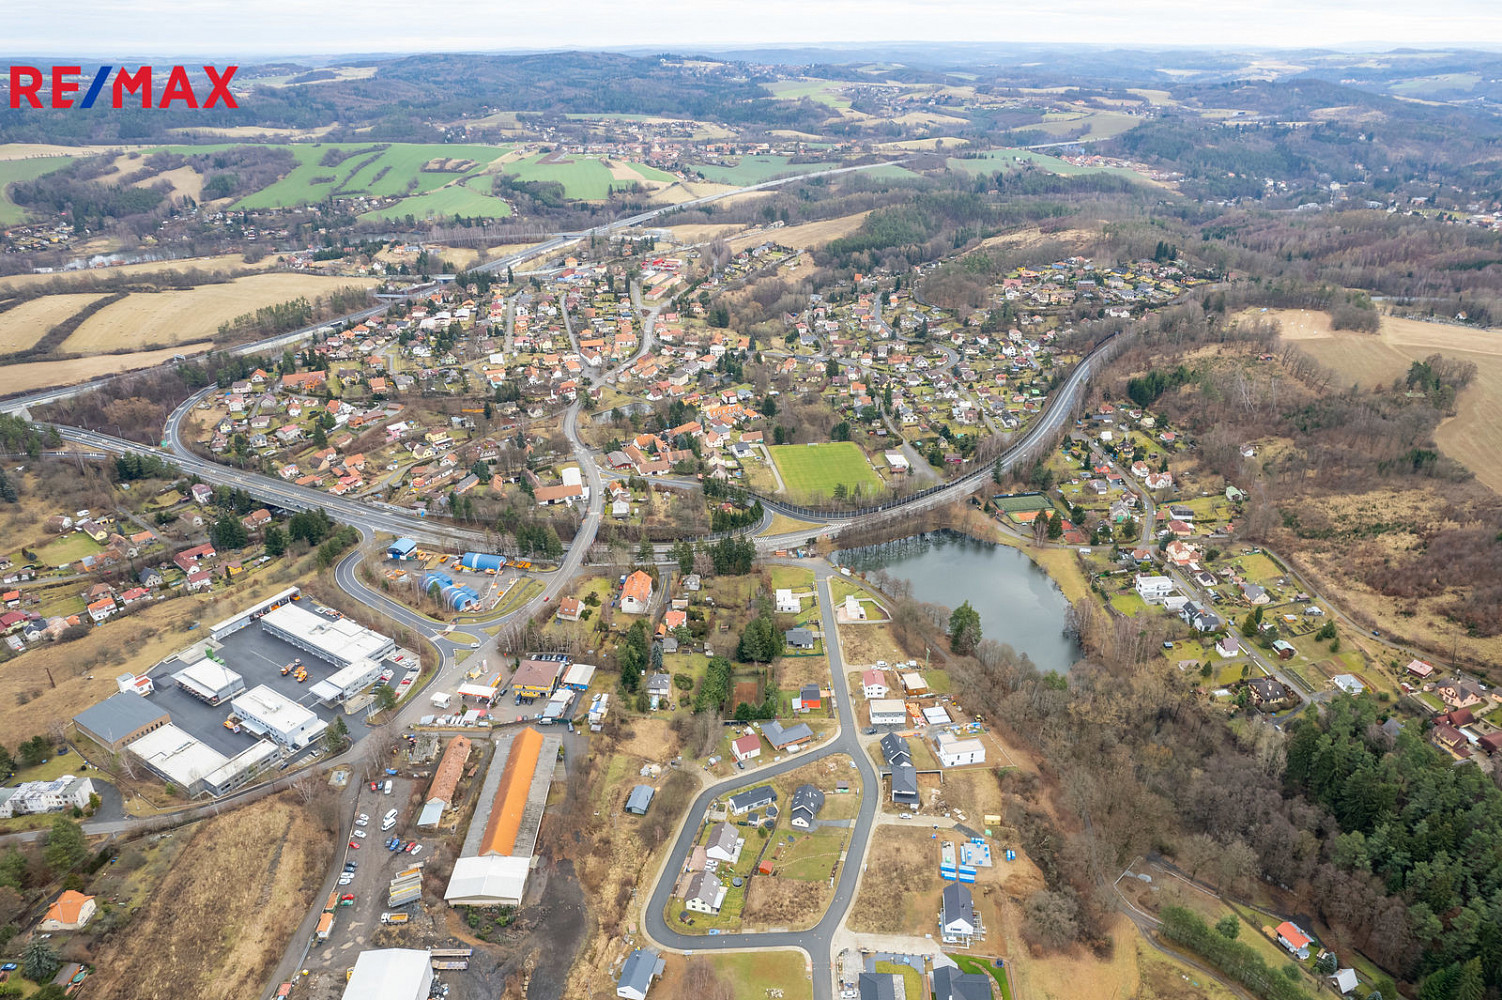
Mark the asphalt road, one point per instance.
(817, 942)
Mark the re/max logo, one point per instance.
(26, 84)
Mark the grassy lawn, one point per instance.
(14, 171)
(1129, 604)
(67, 549)
(729, 917)
(54, 766)
(816, 469)
(811, 856)
(794, 578)
(396, 170)
(784, 525)
(582, 177)
(456, 199)
(754, 973)
(911, 979)
(821, 91)
(986, 967)
(1259, 569)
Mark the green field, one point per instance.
(391, 172)
(12, 171)
(755, 169)
(993, 160)
(755, 973)
(969, 963)
(822, 91)
(456, 199)
(815, 469)
(586, 178)
(68, 548)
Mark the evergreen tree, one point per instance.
(276, 541)
(66, 846)
(964, 629)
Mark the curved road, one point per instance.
(818, 941)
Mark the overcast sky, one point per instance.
(245, 29)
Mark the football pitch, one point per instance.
(815, 469)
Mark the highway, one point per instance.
(817, 942)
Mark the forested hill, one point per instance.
(405, 97)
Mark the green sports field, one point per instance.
(814, 470)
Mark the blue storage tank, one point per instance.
(480, 561)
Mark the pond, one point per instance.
(1018, 603)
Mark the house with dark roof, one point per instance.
(785, 737)
(704, 893)
(958, 921)
(799, 638)
(641, 968)
(804, 806)
(952, 984)
(724, 844)
(879, 986)
(753, 798)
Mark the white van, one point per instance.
(388, 786)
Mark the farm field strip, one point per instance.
(22, 326)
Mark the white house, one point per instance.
(57, 795)
(787, 604)
(704, 893)
(874, 683)
(886, 711)
(723, 844)
(1153, 589)
(958, 921)
(746, 747)
(853, 610)
(955, 752)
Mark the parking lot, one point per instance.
(356, 925)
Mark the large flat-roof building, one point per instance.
(340, 641)
(209, 681)
(390, 974)
(194, 766)
(267, 713)
(347, 682)
(119, 719)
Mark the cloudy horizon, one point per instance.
(259, 29)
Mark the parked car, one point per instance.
(347, 895)
(346, 878)
(354, 845)
(359, 833)
(416, 850)
(375, 786)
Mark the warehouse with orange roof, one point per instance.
(497, 856)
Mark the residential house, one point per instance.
(1152, 589)
(70, 912)
(640, 800)
(660, 691)
(746, 747)
(880, 986)
(786, 603)
(1461, 692)
(1294, 939)
(956, 752)
(874, 683)
(958, 922)
(1284, 649)
(1267, 692)
(569, 609)
(636, 594)
(641, 968)
(202, 493)
(704, 893)
(799, 638)
(786, 738)
(807, 699)
(752, 798)
(804, 806)
(724, 844)
(1420, 669)
(951, 984)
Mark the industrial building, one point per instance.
(445, 781)
(497, 856)
(402, 548)
(209, 681)
(536, 678)
(267, 713)
(578, 676)
(340, 641)
(391, 974)
(119, 719)
(458, 597)
(236, 622)
(197, 768)
(347, 682)
(558, 706)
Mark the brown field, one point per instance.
(27, 150)
(863, 645)
(899, 892)
(24, 325)
(702, 233)
(784, 903)
(223, 263)
(796, 671)
(214, 936)
(810, 234)
(926, 145)
(177, 317)
(45, 374)
(256, 132)
(186, 182)
(1076, 973)
(1474, 435)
